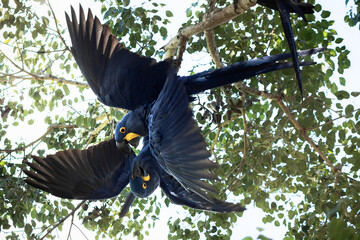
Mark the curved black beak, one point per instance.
(135, 142)
(124, 146)
(137, 171)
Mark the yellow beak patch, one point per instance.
(131, 136)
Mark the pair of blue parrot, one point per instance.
(174, 155)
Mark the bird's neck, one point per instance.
(141, 114)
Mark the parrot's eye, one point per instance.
(122, 130)
(144, 185)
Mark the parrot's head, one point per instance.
(144, 180)
(129, 130)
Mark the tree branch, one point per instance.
(181, 50)
(210, 39)
(333, 120)
(57, 27)
(63, 219)
(216, 18)
(41, 77)
(50, 128)
(279, 99)
(245, 138)
(71, 224)
(44, 78)
(302, 132)
(98, 129)
(59, 80)
(80, 230)
(216, 138)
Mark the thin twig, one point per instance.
(50, 128)
(224, 123)
(98, 129)
(80, 231)
(47, 77)
(63, 219)
(211, 43)
(245, 139)
(57, 27)
(253, 91)
(216, 138)
(42, 77)
(279, 99)
(332, 120)
(240, 166)
(302, 132)
(52, 62)
(71, 224)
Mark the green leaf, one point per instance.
(349, 109)
(169, 14)
(342, 95)
(355, 94)
(188, 13)
(126, 3)
(163, 32)
(28, 229)
(342, 81)
(325, 14)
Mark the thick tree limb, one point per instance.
(214, 19)
(210, 39)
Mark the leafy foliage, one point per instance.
(297, 161)
(353, 16)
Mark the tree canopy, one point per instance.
(298, 161)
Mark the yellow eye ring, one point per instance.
(144, 185)
(122, 129)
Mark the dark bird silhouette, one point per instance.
(285, 7)
(123, 79)
(174, 157)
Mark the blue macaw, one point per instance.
(123, 79)
(176, 161)
(174, 156)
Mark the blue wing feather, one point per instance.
(176, 141)
(115, 74)
(285, 7)
(99, 172)
(179, 195)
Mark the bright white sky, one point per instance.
(252, 218)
